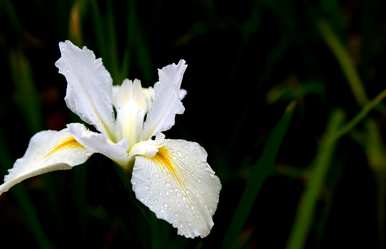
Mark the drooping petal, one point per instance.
(131, 102)
(179, 186)
(47, 151)
(167, 100)
(89, 86)
(99, 143)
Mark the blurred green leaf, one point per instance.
(285, 12)
(334, 13)
(75, 22)
(99, 29)
(328, 197)
(372, 43)
(26, 95)
(258, 174)
(108, 46)
(287, 92)
(137, 41)
(75, 33)
(375, 151)
(111, 38)
(125, 67)
(346, 64)
(376, 147)
(305, 211)
(28, 100)
(23, 200)
(7, 9)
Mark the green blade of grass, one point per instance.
(375, 148)
(26, 206)
(345, 62)
(346, 65)
(258, 174)
(359, 93)
(305, 212)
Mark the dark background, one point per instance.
(247, 61)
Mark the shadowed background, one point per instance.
(310, 174)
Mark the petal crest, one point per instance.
(179, 186)
(47, 151)
(99, 143)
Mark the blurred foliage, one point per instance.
(264, 168)
(318, 173)
(302, 179)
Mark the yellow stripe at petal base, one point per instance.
(162, 158)
(68, 143)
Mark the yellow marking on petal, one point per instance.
(163, 158)
(68, 143)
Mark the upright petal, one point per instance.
(131, 102)
(47, 151)
(179, 186)
(89, 88)
(99, 143)
(167, 100)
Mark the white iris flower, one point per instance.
(171, 177)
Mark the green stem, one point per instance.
(361, 115)
(305, 211)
